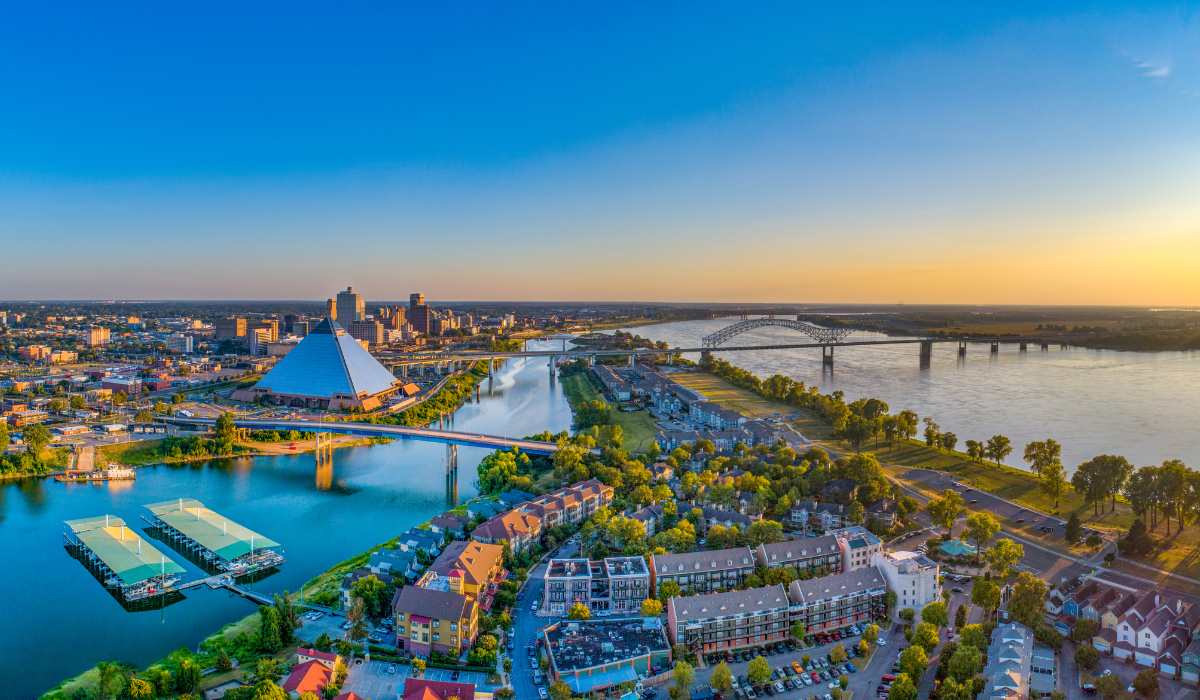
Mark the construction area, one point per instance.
(213, 540)
(120, 558)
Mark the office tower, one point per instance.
(420, 316)
(369, 330)
(331, 309)
(233, 328)
(350, 307)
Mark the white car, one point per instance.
(542, 693)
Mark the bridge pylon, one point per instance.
(827, 356)
(926, 353)
(451, 474)
(324, 451)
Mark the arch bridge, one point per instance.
(817, 333)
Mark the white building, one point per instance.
(914, 578)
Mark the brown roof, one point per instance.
(442, 605)
(310, 676)
(510, 524)
(474, 559)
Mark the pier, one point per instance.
(215, 541)
(119, 557)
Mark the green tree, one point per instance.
(903, 688)
(579, 611)
(722, 678)
(683, 674)
(143, 416)
(1040, 455)
(357, 617)
(187, 676)
(418, 667)
(838, 654)
(140, 689)
(998, 447)
(798, 630)
(5, 438)
(982, 526)
(270, 638)
(759, 671)
(926, 635)
(1086, 657)
(651, 608)
(289, 617)
(112, 680)
(225, 429)
(986, 594)
(935, 614)
(1053, 481)
(1003, 556)
(975, 450)
(559, 690)
(1028, 599)
(945, 509)
(36, 438)
(965, 663)
(1110, 687)
(1074, 530)
(871, 633)
(953, 690)
(1146, 683)
(373, 592)
(974, 635)
(913, 661)
(1084, 630)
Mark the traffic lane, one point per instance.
(527, 626)
(982, 500)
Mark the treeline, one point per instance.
(456, 391)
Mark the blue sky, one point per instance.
(685, 151)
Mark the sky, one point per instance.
(1002, 153)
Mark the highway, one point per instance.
(495, 442)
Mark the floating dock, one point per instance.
(120, 558)
(216, 541)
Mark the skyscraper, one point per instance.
(331, 309)
(420, 316)
(350, 307)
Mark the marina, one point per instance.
(217, 542)
(123, 561)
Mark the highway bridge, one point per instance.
(401, 432)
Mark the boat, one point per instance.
(113, 472)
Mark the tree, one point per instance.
(143, 416)
(903, 688)
(973, 635)
(1028, 599)
(1074, 530)
(289, 617)
(684, 674)
(925, 635)
(373, 592)
(187, 677)
(111, 683)
(140, 689)
(1003, 556)
(1089, 482)
(965, 663)
(1084, 630)
(1053, 482)
(270, 639)
(651, 608)
(1086, 657)
(951, 689)
(982, 526)
(838, 654)
(855, 512)
(935, 614)
(975, 450)
(1146, 683)
(1110, 687)
(871, 634)
(36, 438)
(799, 630)
(932, 432)
(998, 447)
(945, 509)
(722, 678)
(559, 690)
(668, 590)
(5, 438)
(1041, 454)
(418, 667)
(960, 616)
(357, 616)
(225, 429)
(759, 671)
(913, 661)
(858, 430)
(1138, 540)
(579, 611)
(224, 661)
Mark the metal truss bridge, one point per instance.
(817, 333)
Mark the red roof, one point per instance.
(308, 677)
(326, 656)
(349, 696)
(421, 689)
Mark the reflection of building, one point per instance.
(326, 370)
(350, 307)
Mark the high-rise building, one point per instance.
(233, 328)
(350, 307)
(180, 343)
(289, 322)
(269, 325)
(331, 309)
(97, 336)
(369, 330)
(420, 316)
(392, 317)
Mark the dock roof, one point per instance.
(121, 549)
(213, 531)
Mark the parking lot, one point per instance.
(862, 681)
(383, 679)
(327, 623)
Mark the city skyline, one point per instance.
(1015, 155)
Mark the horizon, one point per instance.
(1014, 155)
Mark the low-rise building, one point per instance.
(818, 556)
(729, 620)
(1017, 668)
(470, 568)
(429, 620)
(833, 602)
(515, 528)
(913, 577)
(703, 572)
(611, 586)
(593, 655)
(859, 546)
(422, 689)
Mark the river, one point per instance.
(1142, 405)
(59, 619)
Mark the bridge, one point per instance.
(817, 333)
(402, 432)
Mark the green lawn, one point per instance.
(138, 453)
(748, 403)
(639, 426)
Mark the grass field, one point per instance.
(639, 426)
(137, 453)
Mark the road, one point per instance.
(527, 626)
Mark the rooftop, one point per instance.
(210, 529)
(576, 645)
(716, 560)
(327, 363)
(729, 603)
(121, 549)
(827, 587)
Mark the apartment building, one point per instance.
(515, 528)
(612, 586)
(703, 572)
(467, 567)
(837, 601)
(817, 556)
(914, 578)
(729, 620)
(571, 504)
(430, 620)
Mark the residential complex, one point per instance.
(428, 619)
(612, 586)
(703, 572)
(914, 578)
(729, 620)
(523, 525)
(1017, 668)
(840, 600)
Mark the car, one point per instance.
(1020, 520)
(881, 642)
(778, 687)
(851, 667)
(834, 684)
(533, 663)
(533, 607)
(805, 679)
(391, 669)
(543, 694)
(956, 589)
(815, 676)
(887, 677)
(796, 666)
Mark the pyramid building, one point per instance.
(327, 370)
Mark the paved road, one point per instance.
(527, 627)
